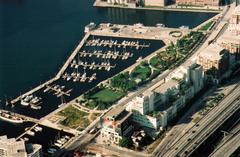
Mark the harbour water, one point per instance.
(51, 100)
(36, 37)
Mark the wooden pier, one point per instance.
(59, 92)
(107, 54)
(25, 132)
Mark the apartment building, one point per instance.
(157, 106)
(115, 125)
(215, 61)
(230, 40)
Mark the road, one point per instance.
(229, 144)
(206, 126)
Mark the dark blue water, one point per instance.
(36, 37)
(50, 101)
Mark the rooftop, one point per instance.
(167, 85)
(212, 52)
(237, 10)
(229, 37)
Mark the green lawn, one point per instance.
(206, 26)
(154, 61)
(142, 71)
(74, 118)
(107, 95)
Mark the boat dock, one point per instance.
(107, 54)
(103, 65)
(111, 43)
(57, 90)
(28, 130)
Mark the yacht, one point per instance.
(10, 117)
(31, 133)
(35, 107)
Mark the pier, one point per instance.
(107, 54)
(57, 76)
(111, 43)
(103, 65)
(58, 91)
(24, 133)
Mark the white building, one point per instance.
(157, 106)
(12, 148)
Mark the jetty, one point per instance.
(106, 55)
(58, 90)
(112, 43)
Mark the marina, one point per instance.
(82, 71)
